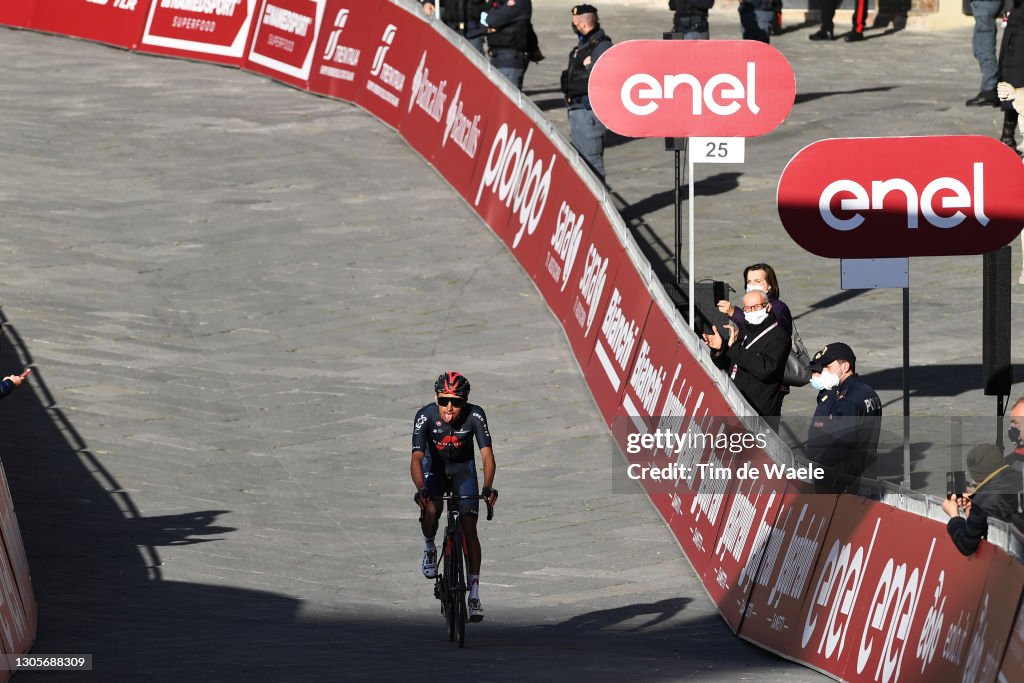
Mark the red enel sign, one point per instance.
(897, 197)
(683, 88)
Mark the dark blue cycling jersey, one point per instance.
(450, 442)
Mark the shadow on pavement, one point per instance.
(802, 97)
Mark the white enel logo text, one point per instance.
(923, 205)
(640, 92)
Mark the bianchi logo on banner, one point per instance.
(459, 128)
(425, 94)
(387, 82)
(342, 59)
(620, 333)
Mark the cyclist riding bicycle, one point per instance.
(442, 460)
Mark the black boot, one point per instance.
(1009, 136)
(985, 98)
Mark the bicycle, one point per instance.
(450, 584)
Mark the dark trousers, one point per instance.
(860, 14)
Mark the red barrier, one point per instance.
(616, 344)
(995, 619)
(115, 22)
(884, 581)
(784, 573)
(398, 42)
(1012, 668)
(15, 548)
(750, 514)
(343, 51)
(210, 30)
(17, 13)
(284, 39)
(18, 611)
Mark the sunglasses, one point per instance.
(451, 401)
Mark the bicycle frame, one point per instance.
(450, 585)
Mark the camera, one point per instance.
(956, 483)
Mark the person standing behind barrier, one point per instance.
(585, 130)
(998, 494)
(1011, 73)
(761, 277)
(757, 17)
(755, 356)
(461, 16)
(843, 434)
(828, 13)
(690, 18)
(508, 37)
(983, 44)
(9, 384)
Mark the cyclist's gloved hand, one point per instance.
(490, 494)
(421, 497)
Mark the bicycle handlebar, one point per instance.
(452, 497)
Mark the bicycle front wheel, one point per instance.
(450, 587)
(461, 613)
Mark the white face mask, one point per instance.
(824, 381)
(755, 288)
(755, 318)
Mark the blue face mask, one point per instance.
(824, 381)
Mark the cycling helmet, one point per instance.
(452, 383)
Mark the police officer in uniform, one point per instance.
(843, 434)
(586, 131)
(691, 18)
(508, 37)
(461, 16)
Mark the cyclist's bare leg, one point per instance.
(431, 516)
(472, 544)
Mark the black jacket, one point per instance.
(576, 78)
(756, 363)
(996, 498)
(843, 434)
(462, 15)
(511, 24)
(1011, 53)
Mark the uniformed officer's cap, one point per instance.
(833, 352)
(584, 9)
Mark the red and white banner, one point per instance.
(210, 30)
(18, 610)
(897, 197)
(783, 576)
(344, 49)
(687, 88)
(996, 614)
(115, 22)
(397, 45)
(745, 535)
(284, 39)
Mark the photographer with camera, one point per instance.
(998, 493)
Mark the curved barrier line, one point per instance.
(853, 588)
